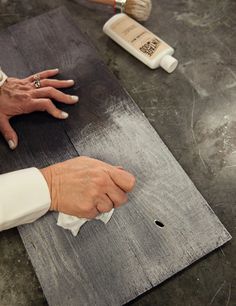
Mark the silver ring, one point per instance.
(36, 77)
(37, 83)
(120, 5)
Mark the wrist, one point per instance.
(47, 174)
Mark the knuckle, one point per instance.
(47, 102)
(25, 82)
(5, 133)
(92, 215)
(23, 99)
(97, 202)
(86, 209)
(95, 192)
(29, 88)
(101, 180)
(26, 96)
(104, 209)
(50, 90)
(45, 105)
(44, 83)
(30, 93)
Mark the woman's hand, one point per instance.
(85, 187)
(24, 96)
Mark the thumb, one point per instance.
(122, 178)
(8, 133)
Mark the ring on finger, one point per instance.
(37, 84)
(36, 77)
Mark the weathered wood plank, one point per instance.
(112, 264)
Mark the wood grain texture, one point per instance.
(114, 263)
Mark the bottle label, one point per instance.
(138, 36)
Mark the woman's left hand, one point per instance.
(24, 96)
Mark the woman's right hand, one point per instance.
(85, 187)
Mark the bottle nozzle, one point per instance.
(169, 63)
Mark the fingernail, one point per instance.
(11, 144)
(71, 81)
(75, 98)
(64, 115)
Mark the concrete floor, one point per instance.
(193, 110)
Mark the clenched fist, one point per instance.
(35, 93)
(85, 187)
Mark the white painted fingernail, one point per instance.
(11, 144)
(75, 98)
(71, 81)
(64, 115)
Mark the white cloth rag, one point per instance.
(74, 224)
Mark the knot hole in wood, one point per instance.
(159, 223)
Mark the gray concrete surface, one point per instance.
(193, 110)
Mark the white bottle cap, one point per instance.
(168, 63)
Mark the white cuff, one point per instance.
(24, 197)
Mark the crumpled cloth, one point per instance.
(74, 224)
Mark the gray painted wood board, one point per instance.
(114, 263)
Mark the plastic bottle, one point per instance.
(140, 42)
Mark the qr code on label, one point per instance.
(150, 47)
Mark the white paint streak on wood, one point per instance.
(229, 295)
(217, 292)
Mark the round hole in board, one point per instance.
(159, 223)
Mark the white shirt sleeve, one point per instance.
(24, 197)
